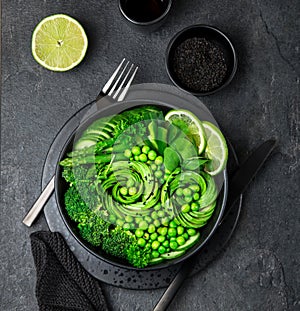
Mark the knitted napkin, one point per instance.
(62, 283)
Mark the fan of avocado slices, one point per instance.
(138, 187)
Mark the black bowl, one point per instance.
(61, 187)
(213, 35)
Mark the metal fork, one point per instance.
(115, 82)
(123, 75)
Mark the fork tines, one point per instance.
(122, 77)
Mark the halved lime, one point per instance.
(59, 43)
(190, 125)
(216, 149)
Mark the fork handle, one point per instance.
(39, 203)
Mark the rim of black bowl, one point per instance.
(167, 10)
(170, 46)
(197, 247)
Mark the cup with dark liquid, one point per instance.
(145, 15)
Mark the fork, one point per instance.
(123, 75)
(109, 89)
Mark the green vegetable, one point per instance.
(137, 188)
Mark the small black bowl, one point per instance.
(138, 22)
(213, 35)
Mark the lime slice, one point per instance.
(190, 125)
(59, 43)
(216, 149)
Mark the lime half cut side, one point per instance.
(216, 149)
(59, 43)
(190, 125)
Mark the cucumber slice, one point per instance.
(172, 255)
(155, 261)
(84, 143)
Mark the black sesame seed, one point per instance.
(199, 64)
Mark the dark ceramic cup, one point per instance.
(145, 18)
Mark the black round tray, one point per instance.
(104, 271)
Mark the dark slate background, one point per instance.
(260, 269)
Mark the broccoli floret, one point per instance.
(91, 227)
(117, 242)
(138, 256)
(123, 244)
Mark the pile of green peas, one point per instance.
(189, 197)
(147, 155)
(163, 239)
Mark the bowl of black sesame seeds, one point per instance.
(201, 60)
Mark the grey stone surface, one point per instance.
(260, 269)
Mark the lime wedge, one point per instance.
(190, 125)
(59, 43)
(216, 149)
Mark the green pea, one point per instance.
(145, 149)
(155, 254)
(146, 235)
(131, 158)
(148, 219)
(132, 191)
(172, 232)
(155, 245)
(159, 230)
(161, 238)
(112, 218)
(130, 183)
(191, 232)
(180, 240)
(124, 191)
(188, 199)
(163, 231)
(136, 158)
(161, 214)
(120, 222)
(158, 174)
(172, 239)
(159, 160)
(129, 218)
(179, 192)
(187, 192)
(166, 243)
(196, 196)
(132, 225)
(180, 230)
(127, 153)
(185, 208)
(195, 188)
(139, 233)
(157, 207)
(143, 225)
(152, 155)
(153, 167)
(194, 207)
(126, 226)
(138, 219)
(173, 245)
(156, 223)
(151, 228)
(136, 150)
(143, 157)
(185, 235)
(161, 249)
(154, 215)
(153, 236)
(165, 221)
(141, 242)
(173, 224)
